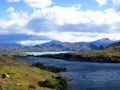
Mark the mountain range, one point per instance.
(104, 42)
(109, 54)
(55, 45)
(77, 46)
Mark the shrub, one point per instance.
(54, 69)
(31, 86)
(46, 83)
(63, 82)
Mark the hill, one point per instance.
(53, 42)
(54, 45)
(115, 44)
(104, 42)
(24, 76)
(109, 54)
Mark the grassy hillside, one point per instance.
(110, 54)
(23, 76)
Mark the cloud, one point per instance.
(10, 9)
(13, 0)
(84, 28)
(61, 23)
(72, 19)
(73, 15)
(40, 25)
(32, 43)
(21, 38)
(15, 24)
(117, 4)
(79, 36)
(38, 3)
(101, 2)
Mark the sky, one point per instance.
(31, 22)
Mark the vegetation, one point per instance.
(54, 69)
(62, 82)
(31, 86)
(109, 54)
(24, 77)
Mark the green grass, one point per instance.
(23, 76)
(106, 52)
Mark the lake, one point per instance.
(85, 75)
(43, 53)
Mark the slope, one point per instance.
(23, 76)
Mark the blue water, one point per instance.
(43, 53)
(86, 75)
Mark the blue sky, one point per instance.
(32, 22)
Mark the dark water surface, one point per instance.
(85, 75)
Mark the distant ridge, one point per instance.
(55, 45)
(114, 44)
(99, 42)
(104, 42)
(110, 54)
(55, 42)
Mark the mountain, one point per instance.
(104, 42)
(114, 44)
(81, 43)
(53, 42)
(109, 54)
(79, 47)
(66, 46)
(55, 45)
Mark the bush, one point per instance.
(61, 83)
(54, 69)
(31, 86)
(46, 83)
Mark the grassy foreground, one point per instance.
(23, 76)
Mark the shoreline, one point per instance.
(70, 57)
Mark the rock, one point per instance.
(19, 85)
(5, 75)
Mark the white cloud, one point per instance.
(38, 3)
(13, 0)
(73, 15)
(72, 23)
(101, 2)
(79, 36)
(10, 9)
(15, 24)
(116, 4)
(32, 42)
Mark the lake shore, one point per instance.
(29, 76)
(85, 75)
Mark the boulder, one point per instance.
(5, 75)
